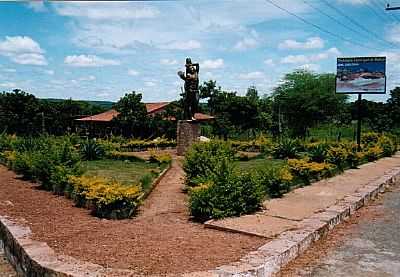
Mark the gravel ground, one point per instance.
(368, 245)
(160, 240)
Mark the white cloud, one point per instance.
(310, 67)
(252, 75)
(8, 85)
(22, 50)
(182, 45)
(133, 72)
(49, 72)
(306, 59)
(37, 6)
(245, 44)
(88, 78)
(89, 61)
(99, 11)
(9, 70)
(212, 64)
(29, 59)
(310, 43)
(269, 62)
(249, 42)
(354, 2)
(168, 62)
(393, 34)
(150, 84)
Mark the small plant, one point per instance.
(373, 153)
(276, 181)
(91, 150)
(337, 155)
(230, 195)
(206, 159)
(317, 152)
(286, 149)
(107, 199)
(160, 157)
(306, 170)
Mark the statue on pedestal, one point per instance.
(191, 94)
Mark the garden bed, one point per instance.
(164, 242)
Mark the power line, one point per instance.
(335, 20)
(371, 8)
(321, 28)
(358, 24)
(385, 4)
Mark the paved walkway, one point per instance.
(283, 214)
(167, 197)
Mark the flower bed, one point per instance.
(55, 163)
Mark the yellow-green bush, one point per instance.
(373, 153)
(276, 180)
(160, 157)
(307, 170)
(106, 198)
(139, 145)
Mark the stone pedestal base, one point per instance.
(188, 133)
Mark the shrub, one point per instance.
(373, 153)
(276, 181)
(387, 144)
(160, 157)
(91, 150)
(230, 195)
(369, 138)
(307, 170)
(206, 159)
(338, 155)
(286, 149)
(140, 145)
(317, 152)
(107, 199)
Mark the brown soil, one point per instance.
(160, 240)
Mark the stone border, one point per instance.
(156, 181)
(270, 258)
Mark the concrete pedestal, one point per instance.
(188, 133)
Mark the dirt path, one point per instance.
(161, 240)
(167, 198)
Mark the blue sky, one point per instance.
(100, 50)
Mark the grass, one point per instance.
(126, 172)
(258, 164)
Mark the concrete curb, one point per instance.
(270, 258)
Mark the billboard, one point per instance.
(361, 75)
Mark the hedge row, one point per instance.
(218, 190)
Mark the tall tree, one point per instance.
(133, 114)
(304, 99)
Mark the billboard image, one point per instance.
(361, 75)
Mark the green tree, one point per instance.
(133, 114)
(304, 99)
(19, 113)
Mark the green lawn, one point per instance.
(258, 163)
(126, 172)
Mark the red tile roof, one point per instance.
(150, 107)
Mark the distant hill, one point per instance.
(103, 104)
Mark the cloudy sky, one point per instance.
(100, 50)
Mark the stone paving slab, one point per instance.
(261, 225)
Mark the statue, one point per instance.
(191, 94)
